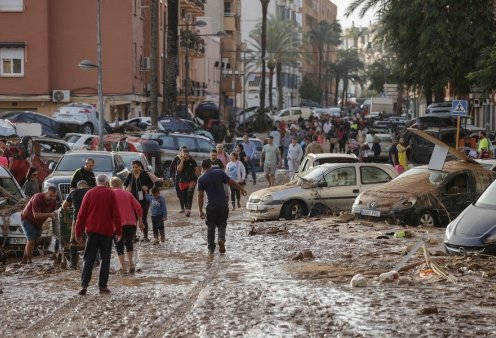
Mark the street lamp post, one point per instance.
(87, 64)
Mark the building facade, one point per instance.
(46, 39)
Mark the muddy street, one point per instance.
(279, 278)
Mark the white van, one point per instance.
(292, 115)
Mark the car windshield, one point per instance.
(488, 198)
(11, 187)
(435, 176)
(103, 163)
(314, 174)
(128, 158)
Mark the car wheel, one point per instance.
(426, 218)
(86, 128)
(293, 210)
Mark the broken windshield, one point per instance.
(435, 176)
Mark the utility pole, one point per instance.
(153, 64)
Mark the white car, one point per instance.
(82, 117)
(292, 115)
(322, 189)
(79, 141)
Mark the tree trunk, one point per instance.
(336, 91)
(280, 101)
(265, 4)
(153, 63)
(320, 56)
(172, 53)
(271, 84)
(345, 86)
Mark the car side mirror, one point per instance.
(322, 184)
(51, 166)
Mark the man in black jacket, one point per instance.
(85, 173)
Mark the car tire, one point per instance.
(293, 210)
(426, 218)
(86, 128)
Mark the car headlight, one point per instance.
(267, 199)
(357, 200)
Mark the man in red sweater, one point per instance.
(99, 216)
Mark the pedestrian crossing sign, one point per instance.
(459, 108)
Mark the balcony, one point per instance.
(194, 42)
(196, 89)
(229, 22)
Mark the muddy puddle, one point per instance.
(258, 288)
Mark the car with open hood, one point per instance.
(325, 188)
(474, 230)
(422, 196)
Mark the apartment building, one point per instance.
(43, 41)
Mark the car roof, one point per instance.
(250, 139)
(330, 155)
(129, 153)
(156, 135)
(90, 152)
(354, 164)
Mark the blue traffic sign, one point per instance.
(459, 108)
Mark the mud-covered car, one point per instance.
(425, 197)
(12, 201)
(312, 160)
(322, 189)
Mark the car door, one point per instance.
(341, 190)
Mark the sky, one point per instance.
(347, 22)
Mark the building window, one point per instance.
(12, 61)
(227, 8)
(11, 5)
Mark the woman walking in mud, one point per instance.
(138, 183)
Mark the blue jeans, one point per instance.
(94, 243)
(251, 166)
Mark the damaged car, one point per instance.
(422, 196)
(474, 230)
(322, 189)
(12, 202)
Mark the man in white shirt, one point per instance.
(295, 154)
(276, 137)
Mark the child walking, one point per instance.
(159, 214)
(237, 172)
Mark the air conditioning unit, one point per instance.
(61, 96)
(145, 63)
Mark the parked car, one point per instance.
(199, 146)
(49, 127)
(313, 160)
(325, 188)
(421, 149)
(80, 117)
(178, 125)
(425, 197)
(108, 163)
(385, 141)
(292, 114)
(474, 230)
(78, 141)
(12, 201)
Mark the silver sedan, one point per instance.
(322, 189)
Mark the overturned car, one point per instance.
(422, 196)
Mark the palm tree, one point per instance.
(282, 48)
(172, 56)
(322, 37)
(348, 67)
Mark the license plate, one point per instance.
(17, 240)
(367, 212)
